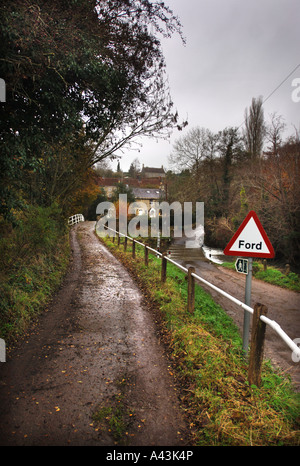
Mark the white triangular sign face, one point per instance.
(250, 240)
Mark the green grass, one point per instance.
(272, 275)
(206, 350)
(115, 416)
(113, 419)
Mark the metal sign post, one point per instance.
(246, 329)
(250, 240)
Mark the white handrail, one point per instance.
(274, 325)
(75, 219)
(227, 295)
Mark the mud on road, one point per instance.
(96, 341)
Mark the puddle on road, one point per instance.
(213, 254)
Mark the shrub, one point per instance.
(34, 258)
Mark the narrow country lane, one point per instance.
(96, 337)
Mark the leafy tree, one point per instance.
(190, 150)
(275, 189)
(135, 168)
(274, 132)
(87, 75)
(87, 191)
(122, 188)
(211, 160)
(91, 212)
(230, 182)
(254, 128)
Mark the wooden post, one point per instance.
(125, 243)
(118, 239)
(146, 256)
(163, 268)
(133, 249)
(191, 290)
(265, 265)
(257, 345)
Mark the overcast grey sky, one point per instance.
(235, 50)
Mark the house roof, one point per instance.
(153, 170)
(131, 182)
(108, 181)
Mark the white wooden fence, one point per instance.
(75, 219)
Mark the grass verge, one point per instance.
(272, 275)
(206, 351)
(35, 255)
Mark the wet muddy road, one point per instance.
(96, 341)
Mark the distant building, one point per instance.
(149, 185)
(147, 200)
(151, 172)
(108, 184)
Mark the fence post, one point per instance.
(163, 268)
(265, 265)
(257, 345)
(118, 239)
(133, 249)
(146, 256)
(191, 290)
(125, 243)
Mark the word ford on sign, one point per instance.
(252, 246)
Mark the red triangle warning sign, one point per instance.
(250, 240)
